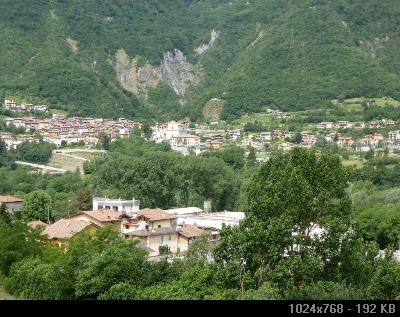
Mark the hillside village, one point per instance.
(203, 137)
(11, 105)
(186, 137)
(60, 130)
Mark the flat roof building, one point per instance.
(123, 206)
(211, 220)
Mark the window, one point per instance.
(159, 226)
(170, 237)
(126, 227)
(161, 239)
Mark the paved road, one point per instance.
(42, 167)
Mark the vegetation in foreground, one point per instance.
(272, 254)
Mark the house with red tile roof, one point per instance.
(101, 217)
(60, 232)
(12, 203)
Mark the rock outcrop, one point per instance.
(148, 76)
(133, 78)
(126, 71)
(204, 47)
(174, 69)
(178, 72)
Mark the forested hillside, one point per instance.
(168, 58)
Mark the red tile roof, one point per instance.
(9, 199)
(102, 215)
(190, 231)
(154, 214)
(66, 228)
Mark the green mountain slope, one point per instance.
(311, 52)
(108, 58)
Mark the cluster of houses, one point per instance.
(178, 135)
(10, 104)
(12, 141)
(203, 137)
(309, 139)
(182, 138)
(344, 124)
(330, 134)
(172, 230)
(59, 129)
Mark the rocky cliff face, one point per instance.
(126, 71)
(174, 69)
(178, 72)
(133, 78)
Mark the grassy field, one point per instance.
(357, 162)
(87, 155)
(69, 163)
(65, 162)
(355, 104)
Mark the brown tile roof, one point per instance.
(102, 215)
(153, 232)
(35, 223)
(9, 199)
(154, 214)
(190, 231)
(66, 228)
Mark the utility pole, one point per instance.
(48, 214)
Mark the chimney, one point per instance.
(207, 206)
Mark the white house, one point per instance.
(266, 136)
(234, 134)
(326, 125)
(175, 129)
(185, 140)
(394, 135)
(116, 204)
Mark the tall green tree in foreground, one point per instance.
(18, 241)
(36, 206)
(297, 228)
(5, 217)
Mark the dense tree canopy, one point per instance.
(35, 152)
